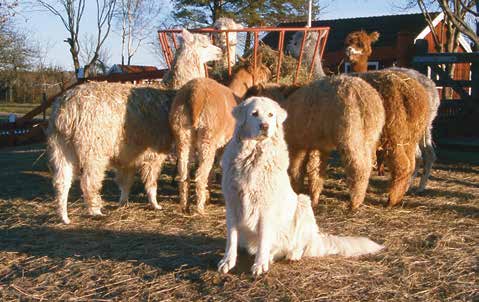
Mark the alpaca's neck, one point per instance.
(186, 66)
(361, 65)
(309, 47)
(241, 82)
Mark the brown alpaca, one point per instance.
(334, 113)
(358, 48)
(202, 123)
(406, 103)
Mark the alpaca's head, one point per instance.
(358, 45)
(201, 46)
(294, 45)
(258, 118)
(261, 73)
(224, 24)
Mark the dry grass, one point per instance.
(135, 253)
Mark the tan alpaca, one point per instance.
(334, 113)
(220, 39)
(98, 125)
(202, 123)
(358, 46)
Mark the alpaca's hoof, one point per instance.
(95, 212)
(355, 206)
(185, 210)
(201, 211)
(66, 220)
(156, 206)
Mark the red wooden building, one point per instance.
(394, 47)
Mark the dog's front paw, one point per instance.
(259, 268)
(226, 264)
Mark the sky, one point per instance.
(48, 30)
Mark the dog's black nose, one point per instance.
(264, 126)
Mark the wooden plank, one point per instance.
(446, 58)
(461, 83)
(444, 76)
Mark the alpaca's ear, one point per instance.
(187, 36)
(374, 36)
(281, 114)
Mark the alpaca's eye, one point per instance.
(270, 114)
(255, 113)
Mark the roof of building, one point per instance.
(388, 26)
(118, 68)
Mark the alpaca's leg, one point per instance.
(124, 179)
(184, 149)
(149, 175)
(428, 159)
(401, 162)
(296, 169)
(93, 173)
(206, 158)
(317, 168)
(380, 159)
(62, 160)
(358, 166)
(416, 166)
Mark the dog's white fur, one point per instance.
(263, 213)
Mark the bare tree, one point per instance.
(7, 9)
(101, 64)
(446, 35)
(70, 12)
(134, 20)
(456, 11)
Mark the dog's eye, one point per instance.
(255, 113)
(270, 114)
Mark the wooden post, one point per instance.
(44, 105)
(420, 49)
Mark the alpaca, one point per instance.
(294, 47)
(263, 213)
(201, 122)
(98, 125)
(358, 49)
(220, 39)
(333, 113)
(405, 105)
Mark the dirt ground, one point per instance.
(137, 254)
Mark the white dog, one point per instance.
(263, 213)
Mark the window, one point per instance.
(372, 65)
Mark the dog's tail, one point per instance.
(324, 244)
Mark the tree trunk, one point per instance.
(247, 43)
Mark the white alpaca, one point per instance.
(98, 125)
(220, 39)
(294, 46)
(263, 213)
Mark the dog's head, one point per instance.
(258, 118)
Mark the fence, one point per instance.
(168, 41)
(457, 117)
